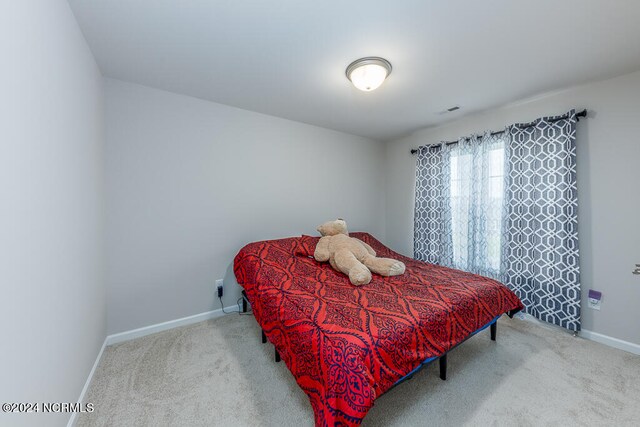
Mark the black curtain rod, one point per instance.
(579, 114)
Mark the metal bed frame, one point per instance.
(492, 325)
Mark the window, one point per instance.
(476, 200)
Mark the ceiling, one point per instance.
(287, 58)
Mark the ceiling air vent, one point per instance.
(449, 110)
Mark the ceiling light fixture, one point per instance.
(368, 73)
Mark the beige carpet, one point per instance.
(217, 373)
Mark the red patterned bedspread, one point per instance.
(346, 345)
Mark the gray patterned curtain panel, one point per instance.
(540, 239)
(505, 206)
(432, 217)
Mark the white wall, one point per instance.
(189, 182)
(52, 295)
(608, 178)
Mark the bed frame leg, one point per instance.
(277, 356)
(494, 328)
(264, 338)
(244, 302)
(443, 367)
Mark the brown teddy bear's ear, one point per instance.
(331, 228)
(322, 228)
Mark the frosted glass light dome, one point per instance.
(369, 73)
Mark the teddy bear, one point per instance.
(352, 256)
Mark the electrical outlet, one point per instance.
(220, 287)
(594, 304)
(595, 298)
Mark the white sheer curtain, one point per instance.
(477, 194)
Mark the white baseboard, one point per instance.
(72, 419)
(593, 336)
(158, 327)
(611, 341)
(140, 332)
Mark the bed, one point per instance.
(347, 345)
